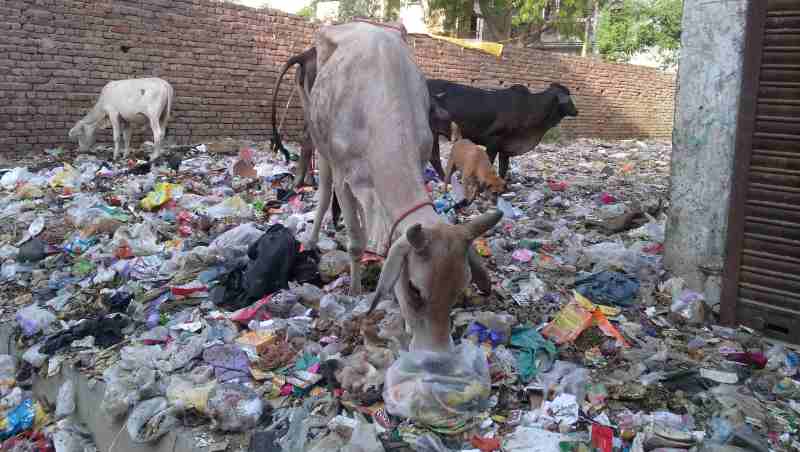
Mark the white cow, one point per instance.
(126, 104)
(368, 113)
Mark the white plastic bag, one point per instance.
(33, 319)
(14, 177)
(237, 239)
(65, 403)
(439, 389)
(125, 387)
(151, 420)
(234, 408)
(364, 437)
(231, 207)
(8, 373)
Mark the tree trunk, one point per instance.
(498, 23)
(589, 29)
(595, 19)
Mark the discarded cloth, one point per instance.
(536, 353)
(609, 287)
(107, 331)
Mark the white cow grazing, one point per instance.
(368, 113)
(126, 104)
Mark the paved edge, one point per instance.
(88, 396)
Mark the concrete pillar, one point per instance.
(703, 140)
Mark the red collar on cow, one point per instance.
(401, 218)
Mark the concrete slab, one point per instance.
(107, 432)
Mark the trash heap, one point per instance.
(183, 287)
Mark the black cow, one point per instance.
(508, 122)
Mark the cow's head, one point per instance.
(440, 118)
(84, 133)
(429, 267)
(565, 105)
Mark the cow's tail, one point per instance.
(168, 111)
(277, 143)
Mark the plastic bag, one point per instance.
(364, 437)
(72, 437)
(182, 351)
(689, 306)
(162, 193)
(574, 249)
(442, 390)
(566, 378)
(66, 177)
(140, 239)
(185, 394)
(509, 211)
(234, 408)
(11, 400)
(333, 264)
(8, 373)
(65, 403)
(126, 386)
(775, 357)
(8, 271)
(237, 239)
(230, 362)
(34, 357)
(8, 252)
(151, 420)
(33, 319)
(654, 230)
(234, 207)
(14, 177)
(609, 211)
(329, 308)
(530, 288)
(607, 255)
(526, 439)
(20, 419)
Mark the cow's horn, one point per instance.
(483, 223)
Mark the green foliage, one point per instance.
(632, 26)
(369, 9)
(350, 9)
(517, 20)
(308, 11)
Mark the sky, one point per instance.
(290, 6)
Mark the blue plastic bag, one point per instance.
(19, 420)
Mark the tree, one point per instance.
(384, 10)
(521, 22)
(629, 27)
(309, 11)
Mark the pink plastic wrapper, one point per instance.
(522, 255)
(256, 311)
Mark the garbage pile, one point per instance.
(185, 289)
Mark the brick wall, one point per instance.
(222, 59)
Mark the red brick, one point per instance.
(222, 60)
